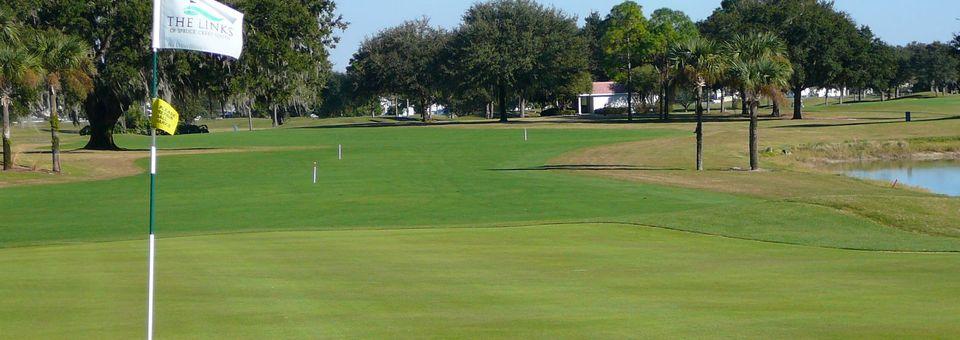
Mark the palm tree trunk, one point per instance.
(754, 138)
(249, 117)
(722, 94)
(423, 110)
(54, 131)
(699, 129)
(797, 103)
(275, 121)
(7, 152)
(708, 102)
(776, 108)
(671, 95)
(744, 109)
(502, 98)
(522, 105)
(663, 100)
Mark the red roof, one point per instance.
(608, 87)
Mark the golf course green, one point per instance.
(468, 231)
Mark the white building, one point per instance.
(603, 95)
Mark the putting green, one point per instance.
(567, 281)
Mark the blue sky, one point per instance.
(896, 21)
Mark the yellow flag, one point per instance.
(165, 117)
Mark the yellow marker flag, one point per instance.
(165, 117)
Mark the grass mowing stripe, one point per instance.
(570, 281)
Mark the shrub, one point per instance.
(611, 111)
(136, 121)
(182, 129)
(556, 112)
(189, 129)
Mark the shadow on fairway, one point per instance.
(400, 123)
(589, 167)
(588, 119)
(82, 150)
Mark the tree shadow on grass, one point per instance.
(83, 151)
(888, 121)
(587, 119)
(589, 167)
(384, 122)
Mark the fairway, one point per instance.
(568, 281)
(413, 177)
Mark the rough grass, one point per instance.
(941, 147)
(824, 136)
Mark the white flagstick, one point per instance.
(340, 151)
(153, 241)
(155, 37)
(314, 172)
(525, 135)
(153, 250)
(197, 40)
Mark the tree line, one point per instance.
(508, 52)
(503, 51)
(284, 69)
(504, 54)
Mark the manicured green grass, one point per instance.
(409, 177)
(463, 232)
(573, 281)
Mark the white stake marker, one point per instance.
(525, 135)
(340, 151)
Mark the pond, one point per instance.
(942, 177)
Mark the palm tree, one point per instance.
(760, 66)
(699, 62)
(14, 64)
(9, 29)
(18, 68)
(68, 61)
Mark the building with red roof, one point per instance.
(603, 95)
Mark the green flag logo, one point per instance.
(194, 11)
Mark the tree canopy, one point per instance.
(285, 63)
(519, 47)
(402, 61)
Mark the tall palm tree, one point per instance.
(18, 68)
(15, 66)
(700, 63)
(760, 66)
(68, 61)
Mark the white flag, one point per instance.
(197, 25)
